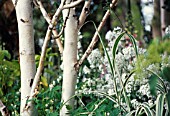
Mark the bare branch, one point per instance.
(55, 33)
(3, 109)
(72, 4)
(95, 37)
(43, 11)
(42, 58)
(85, 11)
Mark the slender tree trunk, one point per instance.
(165, 18)
(69, 58)
(26, 51)
(156, 22)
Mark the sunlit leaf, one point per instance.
(44, 81)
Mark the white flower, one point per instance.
(54, 83)
(117, 30)
(109, 35)
(128, 52)
(150, 102)
(144, 89)
(79, 45)
(120, 60)
(94, 58)
(134, 103)
(46, 105)
(51, 86)
(86, 70)
(167, 30)
(111, 92)
(62, 66)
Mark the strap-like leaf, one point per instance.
(114, 49)
(134, 43)
(160, 104)
(147, 109)
(130, 113)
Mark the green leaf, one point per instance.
(68, 107)
(138, 110)
(37, 57)
(3, 54)
(53, 54)
(44, 81)
(56, 88)
(131, 112)
(108, 58)
(160, 104)
(114, 48)
(1, 92)
(147, 109)
(126, 80)
(134, 43)
(9, 83)
(152, 84)
(168, 101)
(159, 79)
(165, 73)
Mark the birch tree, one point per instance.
(26, 51)
(72, 23)
(69, 57)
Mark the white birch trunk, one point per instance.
(69, 59)
(26, 50)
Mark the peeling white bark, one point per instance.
(26, 50)
(69, 59)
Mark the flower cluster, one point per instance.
(98, 76)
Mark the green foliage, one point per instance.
(153, 56)
(9, 82)
(52, 69)
(48, 101)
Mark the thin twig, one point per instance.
(55, 33)
(95, 37)
(85, 11)
(3, 109)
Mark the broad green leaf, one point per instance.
(152, 84)
(165, 73)
(160, 104)
(159, 79)
(160, 88)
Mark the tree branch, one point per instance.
(95, 37)
(72, 4)
(3, 109)
(47, 18)
(84, 13)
